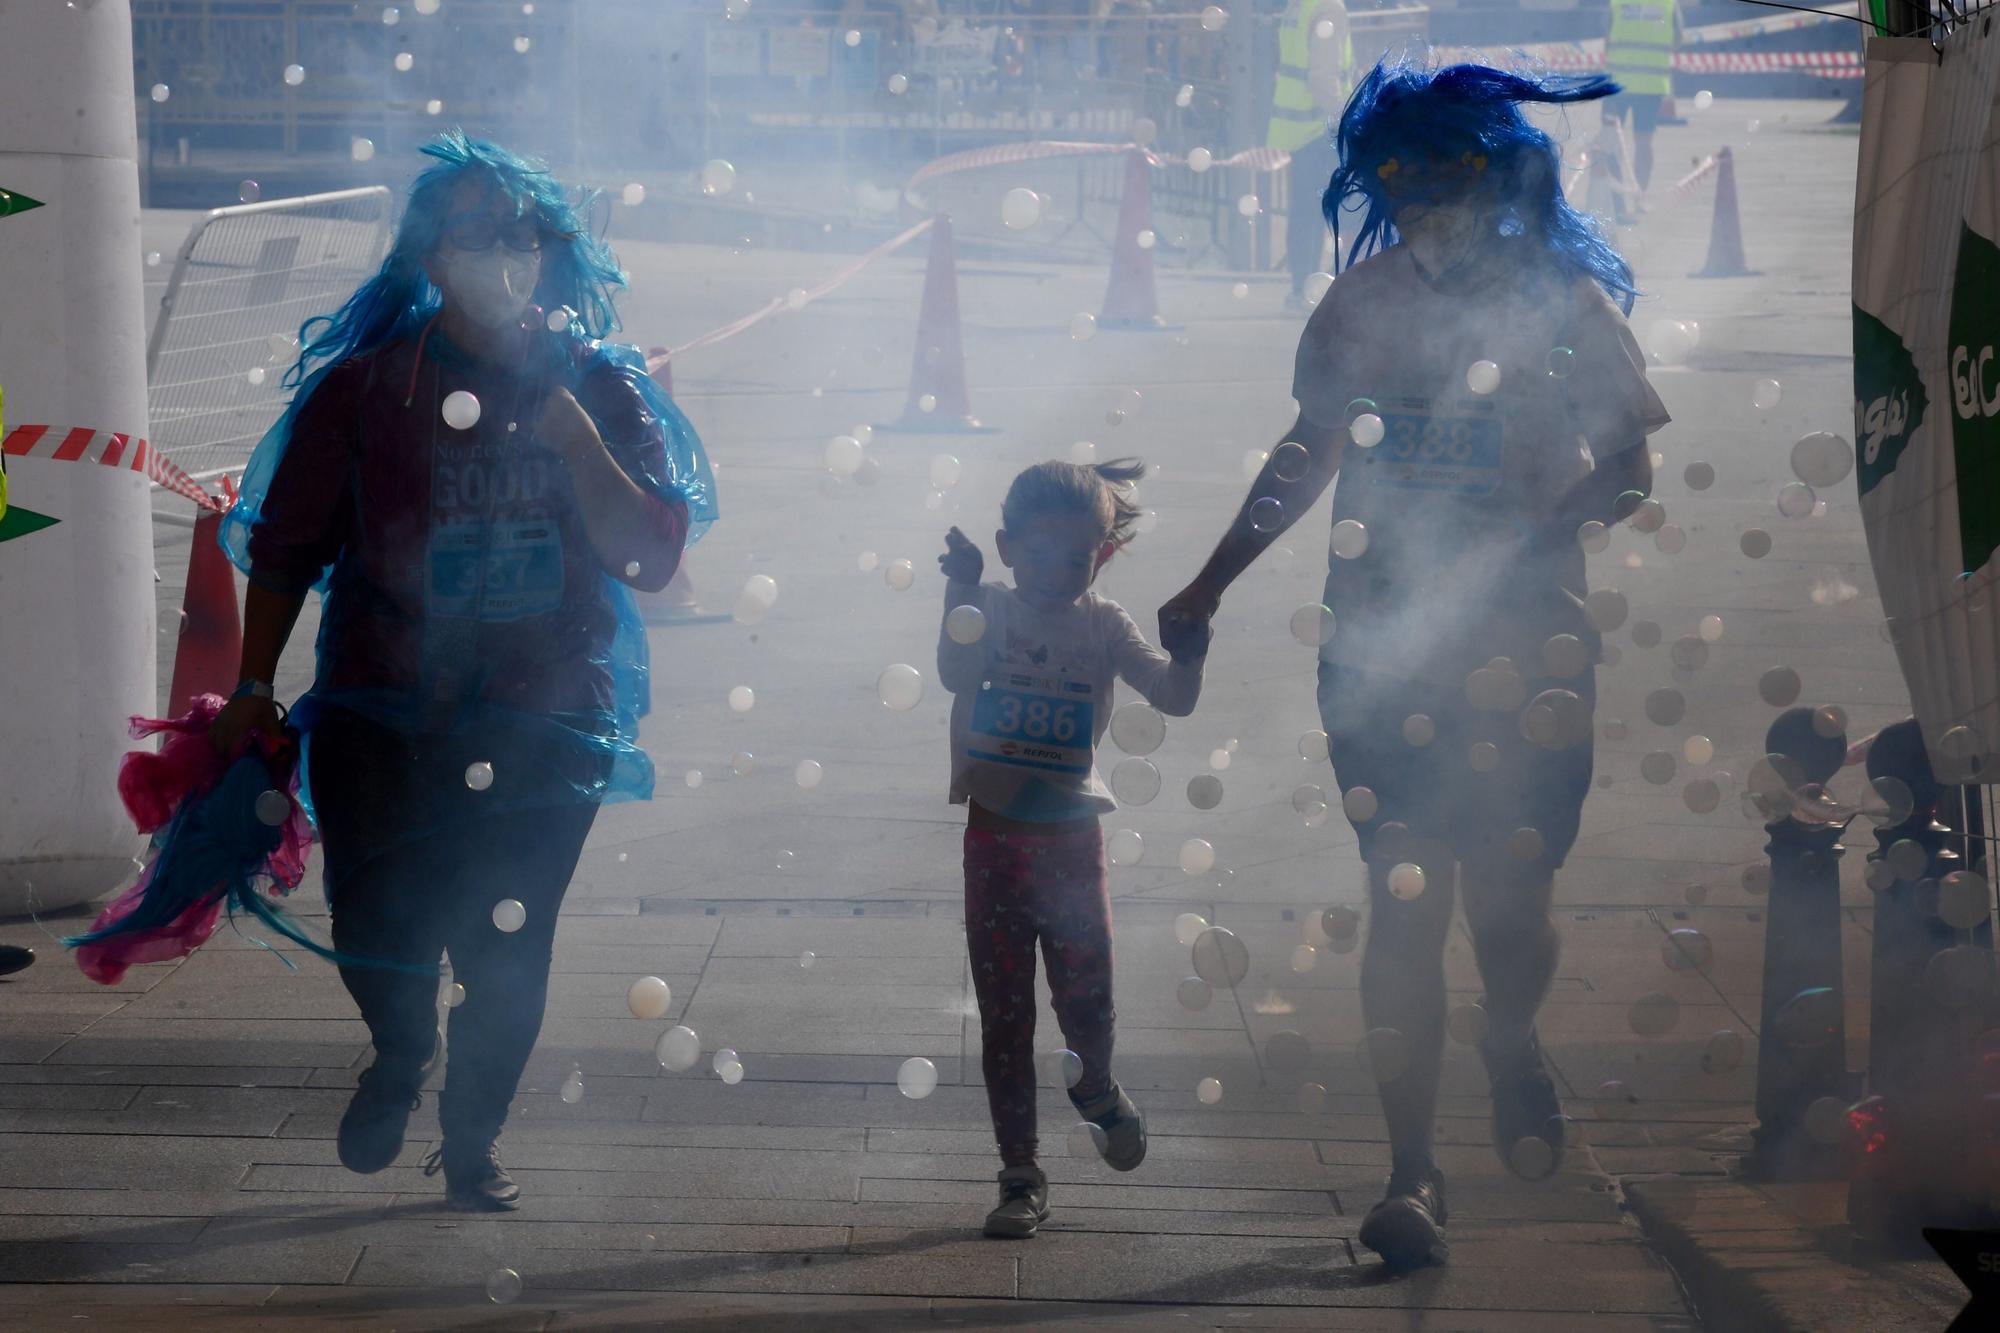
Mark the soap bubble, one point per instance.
(853, 37)
(1722, 1053)
(1963, 899)
(1147, 239)
(1406, 880)
(1384, 1053)
(717, 177)
(1755, 543)
(509, 915)
(1593, 536)
(808, 958)
(1020, 208)
(917, 1079)
(1267, 514)
(1248, 206)
(1764, 394)
(1124, 847)
(1083, 326)
(1304, 957)
(1687, 950)
(161, 92)
(1670, 341)
(1138, 729)
(1340, 923)
(361, 150)
(1657, 768)
(1350, 539)
(759, 595)
(433, 107)
(1607, 609)
(295, 75)
(454, 995)
(1312, 625)
(1703, 100)
(1197, 856)
(521, 44)
(479, 775)
(1654, 1014)
(743, 763)
(731, 1073)
(1204, 791)
(1796, 500)
(249, 192)
(1482, 377)
(1316, 287)
(1672, 539)
(898, 84)
(900, 687)
(1239, 290)
(572, 1089)
(1961, 754)
(1134, 781)
(1779, 687)
(1699, 476)
(1184, 95)
(1290, 461)
(1359, 804)
(1218, 759)
(1665, 707)
(1822, 459)
(1064, 1068)
(503, 1286)
(273, 808)
(1467, 1024)
(694, 778)
(1086, 1140)
(723, 1058)
(1200, 160)
(1614, 1101)
(1698, 750)
(1366, 430)
(899, 575)
(1188, 927)
(1323, 29)
(844, 454)
(927, 403)
(742, 699)
(427, 6)
(1810, 1018)
(461, 410)
(1419, 730)
(1561, 361)
(1208, 1091)
(1312, 747)
(965, 624)
(405, 62)
(1829, 722)
(1532, 1157)
(945, 471)
(633, 195)
(679, 1049)
(152, 259)
(1220, 958)
(1825, 1120)
(1212, 19)
(649, 997)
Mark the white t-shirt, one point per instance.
(1031, 699)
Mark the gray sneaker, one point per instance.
(1023, 1206)
(1122, 1144)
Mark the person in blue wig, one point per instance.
(1471, 380)
(476, 483)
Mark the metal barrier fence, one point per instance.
(245, 279)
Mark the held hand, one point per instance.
(961, 561)
(563, 425)
(1185, 628)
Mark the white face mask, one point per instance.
(492, 288)
(1441, 237)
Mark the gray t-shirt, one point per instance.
(1458, 500)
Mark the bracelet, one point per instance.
(255, 688)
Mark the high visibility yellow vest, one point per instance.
(1639, 52)
(1296, 120)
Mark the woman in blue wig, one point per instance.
(475, 483)
(1474, 386)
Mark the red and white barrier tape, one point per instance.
(1582, 57)
(1256, 159)
(78, 444)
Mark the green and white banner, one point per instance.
(1927, 378)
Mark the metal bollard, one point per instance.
(1930, 1001)
(1802, 1034)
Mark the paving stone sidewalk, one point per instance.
(166, 1154)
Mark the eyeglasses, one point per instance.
(482, 231)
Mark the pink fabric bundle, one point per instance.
(154, 787)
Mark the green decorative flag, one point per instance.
(12, 202)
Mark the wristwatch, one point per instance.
(257, 689)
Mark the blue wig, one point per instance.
(578, 269)
(1414, 133)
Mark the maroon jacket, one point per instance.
(461, 569)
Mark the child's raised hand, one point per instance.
(961, 561)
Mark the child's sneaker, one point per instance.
(1123, 1142)
(1023, 1206)
(1527, 1117)
(1407, 1227)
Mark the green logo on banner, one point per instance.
(1975, 396)
(1889, 399)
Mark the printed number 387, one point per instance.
(1037, 720)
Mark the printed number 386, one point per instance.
(1037, 720)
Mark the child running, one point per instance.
(1031, 668)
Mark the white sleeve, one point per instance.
(1170, 686)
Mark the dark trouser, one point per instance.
(1305, 225)
(413, 873)
(1020, 889)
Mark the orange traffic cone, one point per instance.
(1129, 300)
(937, 401)
(1725, 234)
(209, 650)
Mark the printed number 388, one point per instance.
(1037, 720)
